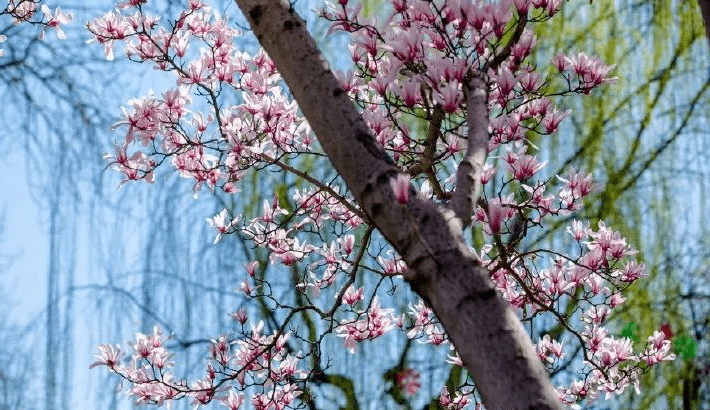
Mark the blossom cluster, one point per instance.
(408, 381)
(23, 11)
(370, 324)
(212, 148)
(254, 360)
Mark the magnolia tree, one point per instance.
(432, 136)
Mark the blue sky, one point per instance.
(24, 236)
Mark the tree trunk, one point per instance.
(705, 12)
(484, 329)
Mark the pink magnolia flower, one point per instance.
(353, 295)
(553, 6)
(201, 391)
(495, 217)
(499, 211)
(22, 10)
(487, 173)
(578, 230)
(596, 314)
(347, 243)
(220, 350)
(380, 84)
(553, 119)
(195, 73)
(377, 322)
(289, 367)
(453, 144)
(659, 349)
(271, 211)
(522, 6)
(108, 355)
(251, 268)
(160, 358)
(632, 271)
(547, 346)
(400, 186)
(233, 401)
(506, 82)
(246, 287)
(560, 61)
(450, 97)
(542, 202)
(499, 15)
(591, 70)
(164, 393)
(453, 401)
(425, 326)
(240, 316)
(392, 266)
(2, 39)
(531, 81)
(595, 337)
(406, 45)
(400, 6)
(408, 382)
(577, 186)
(222, 224)
(525, 167)
(616, 299)
(410, 92)
(455, 359)
(55, 21)
(609, 242)
(556, 276)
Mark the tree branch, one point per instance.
(323, 187)
(468, 175)
(427, 159)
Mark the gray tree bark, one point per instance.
(484, 329)
(705, 12)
